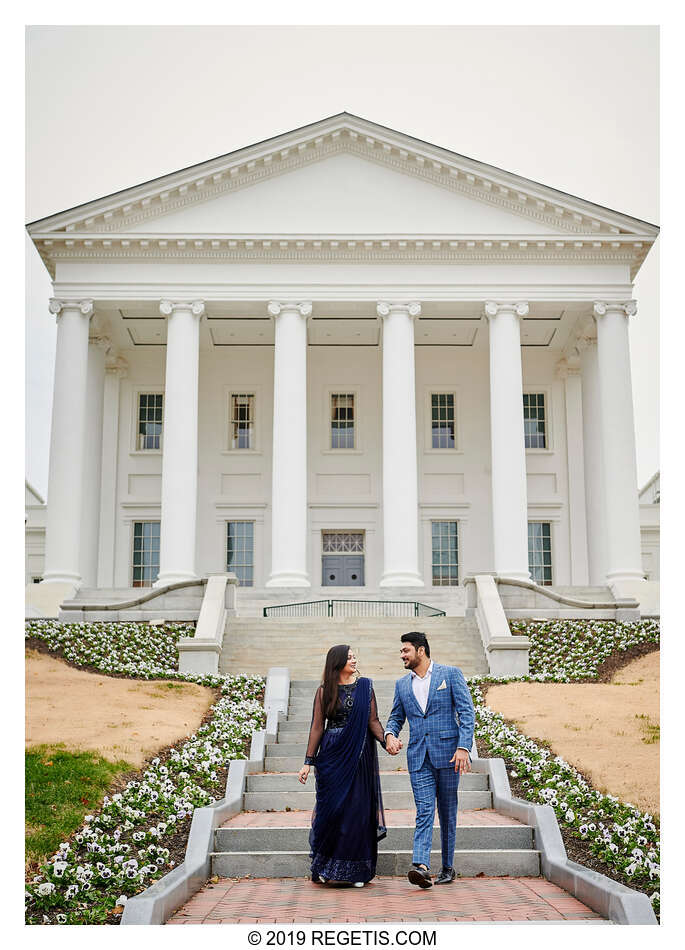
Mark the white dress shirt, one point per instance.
(420, 686)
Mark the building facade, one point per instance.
(342, 358)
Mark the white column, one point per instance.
(400, 475)
(569, 371)
(624, 561)
(509, 492)
(593, 457)
(67, 442)
(289, 466)
(115, 370)
(179, 442)
(90, 508)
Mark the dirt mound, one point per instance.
(119, 718)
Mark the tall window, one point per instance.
(242, 421)
(540, 552)
(342, 420)
(150, 406)
(534, 420)
(442, 420)
(145, 553)
(445, 569)
(240, 551)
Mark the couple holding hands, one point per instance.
(348, 819)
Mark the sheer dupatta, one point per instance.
(337, 766)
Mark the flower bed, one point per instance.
(625, 839)
(123, 848)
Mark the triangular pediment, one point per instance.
(342, 175)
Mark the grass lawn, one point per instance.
(61, 788)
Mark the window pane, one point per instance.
(442, 420)
(540, 552)
(240, 551)
(149, 420)
(145, 566)
(242, 420)
(444, 553)
(342, 420)
(534, 421)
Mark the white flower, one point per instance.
(45, 888)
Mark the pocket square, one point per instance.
(443, 685)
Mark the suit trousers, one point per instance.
(429, 783)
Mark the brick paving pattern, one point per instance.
(385, 899)
(394, 818)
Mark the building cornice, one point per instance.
(447, 248)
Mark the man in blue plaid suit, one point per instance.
(437, 703)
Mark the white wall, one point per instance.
(344, 488)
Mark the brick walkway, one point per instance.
(385, 899)
(394, 818)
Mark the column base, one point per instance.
(165, 579)
(515, 575)
(290, 579)
(402, 579)
(62, 577)
(628, 577)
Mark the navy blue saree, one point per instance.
(348, 819)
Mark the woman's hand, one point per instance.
(303, 774)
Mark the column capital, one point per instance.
(569, 366)
(412, 308)
(585, 341)
(492, 308)
(196, 307)
(58, 306)
(627, 307)
(117, 367)
(276, 307)
(100, 340)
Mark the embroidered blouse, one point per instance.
(338, 719)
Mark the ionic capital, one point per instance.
(627, 307)
(196, 307)
(493, 308)
(57, 306)
(411, 308)
(100, 340)
(276, 307)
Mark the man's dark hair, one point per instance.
(417, 640)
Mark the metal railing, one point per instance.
(354, 608)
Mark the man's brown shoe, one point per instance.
(420, 876)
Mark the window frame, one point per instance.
(329, 392)
(550, 523)
(135, 414)
(547, 393)
(253, 433)
(134, 522)
(229, 393)
(428, 419)
(456, 522)
(228, 522)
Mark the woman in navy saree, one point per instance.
(348, 820)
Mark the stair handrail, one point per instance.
(436, 612)
(126, 604)
(563, 598)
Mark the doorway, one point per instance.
(342, 559)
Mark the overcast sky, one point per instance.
(572, 107)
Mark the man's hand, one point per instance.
(303, 774)
(392, 744)
(461, 761)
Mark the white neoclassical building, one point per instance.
(342, 358)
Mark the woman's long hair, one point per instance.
(336, 659)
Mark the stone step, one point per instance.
(468, 837)
(305, 799)
(390, 781)
(293, 762)
(297, 748)
(467, 863)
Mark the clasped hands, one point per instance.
(392, 744)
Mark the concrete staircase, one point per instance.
(253, 644)
(252, 600)
(275, 841)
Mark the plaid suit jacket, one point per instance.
(447, 723)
